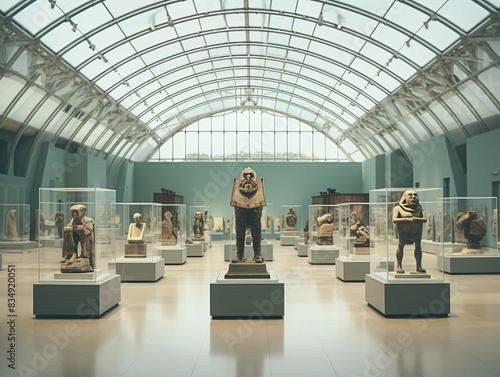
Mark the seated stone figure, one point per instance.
(10, 226)
(291, 221)
(361, 233)
(79, 231)
(474, 230)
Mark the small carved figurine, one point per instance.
(198, 227)
(80, 230)
(10, 226)
(325, 229)
(167, 230)
(474, 230)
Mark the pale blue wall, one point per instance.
(373, 173)
(483, 157)
(211, 182)
(434, 160)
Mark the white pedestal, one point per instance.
(323, 254)
(266, 250)
(302, 250)
(469, 264)
(422, 297)
(17, 246)
(196, 249)
(297, 241)
(89, 300)
(287, 240)
(140, 270)
(173, 254)
(249, 298)
(349, 269)
(436, 248)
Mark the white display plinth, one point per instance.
(297, 241)
(266, 250)
(173, 254)
(352, 269)
(17, 246)
(323, 254)
(287, 240)
(196, 249)
(250, 298)
(76, 299)
(134, 269)
(407, 297)
(303, 250)
(436, 248)
(469, 264)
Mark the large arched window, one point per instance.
(249, 135)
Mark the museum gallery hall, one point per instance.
(193, 188)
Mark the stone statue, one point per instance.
(198, 227)
(248, 198)
(167, 231)
(459, 231)
(430, 228)
(474, 230)
(306, 233)
(362, 235)
(408, 216)
(10, 226)
(325, 229)
(228, 227)
(80, 230)
(59, 223)
(136, 247)
(353, 219)
(494, 222)
(291, 222)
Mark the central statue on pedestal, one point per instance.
(248, 198)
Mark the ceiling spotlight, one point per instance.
(152, 28)
(320, 19)
(91, 45)
(408, 43)
(426, 24)
(74, 27)
(169, 21)
(339, 27)
(52, 4)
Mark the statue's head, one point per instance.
(168, 215)
(327, 218)
(137, 218)
(409, 198)
(78, 211)
(248, 182)
(290, 209)
(354, 217)
(198, 215)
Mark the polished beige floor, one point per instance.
(164, 329)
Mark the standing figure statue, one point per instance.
(291, 222)
(10, 226)
(248, 198)
(80, 230)
(167, 230)
(198, 227)
(408, 216)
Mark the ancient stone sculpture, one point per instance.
(474, 230)
(325, 229)
(306, 233)
(167, 231)
(353, 219)
(59, 223)
(430, 228)
(291, 222)
(408, 216)
(10, 226)
(80, 230)
(248, 198)
(198, 227)
(362, 235)
(494, 222)
(136, 247)
(218, 223)
(188, 240)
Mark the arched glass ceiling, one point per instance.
(380, 74)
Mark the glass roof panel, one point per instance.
(117, 54)
(478, 99)
(7, 4)
(301, 43)
(92, 18)
(60, 37)
(212, 22)
(187, 27)
(432, 4)
(213, 39)
(143, 21)
(38, 15)
(193, 43)
(438, 34)
(280, 22)
(93, 69)
(465, 14)
(234, 20)
(180, 9)
(107, 37)
(386, 81)
(363, 67)
(339, 37)
(375, 92)
(331, 53)
(390, 37)
(278, 38)
(162, 53)
(285, 5)
(303, 26)
(233, 4)
(238, 50)
(418, 53)
(121, 7)
(406, 16)
(78, 54)
(309, 8)
(205, 6)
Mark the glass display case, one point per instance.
(392, 203)
(84, 224)
(199, 223)
(14, 222)
(354, 230)
(138, 232)
(470, 228)
(291, 220)
(178, 218)
(323, 225)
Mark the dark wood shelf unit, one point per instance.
(338, 198)
(161, 198)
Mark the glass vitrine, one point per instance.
(355, 230)
(177, 215)
(199, 223)
(14, 222)
(82, 218)
(323, 225)
(291, 221)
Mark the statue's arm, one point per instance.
(422, 219)
(397, 216)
